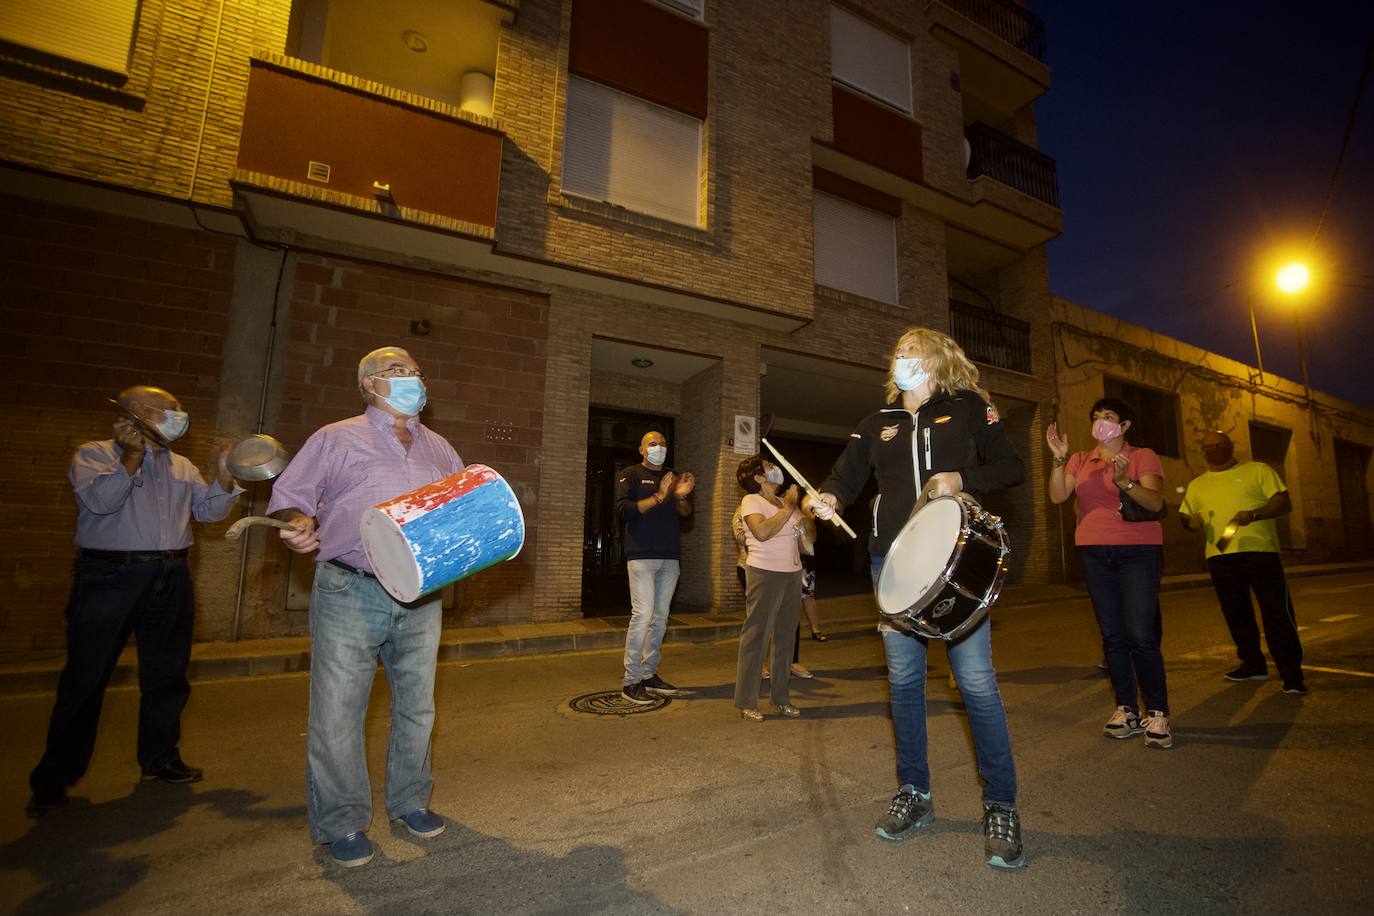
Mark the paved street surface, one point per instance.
(1265, 804)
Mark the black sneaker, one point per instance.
(1002, 836)
(636, 693)
(1247, 674)
(45, 800)
(658, 685)
(1297, 688)
(175, 770)
(909, 812)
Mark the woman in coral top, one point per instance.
(1122, 561)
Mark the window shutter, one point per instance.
(855, 248)
(627, 151)
(869, 59)
(98, 33)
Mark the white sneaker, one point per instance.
(1124, 723)
(1157, 733)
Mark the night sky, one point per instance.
(1194, 142)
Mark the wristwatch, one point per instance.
(1130, 484)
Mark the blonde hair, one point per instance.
(950, 370)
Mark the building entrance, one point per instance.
(612, 445)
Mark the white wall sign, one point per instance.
(746, 435)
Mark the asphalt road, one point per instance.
(1265, 804)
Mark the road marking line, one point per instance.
(1302, 628)
(1336, 618)
(1339, 671)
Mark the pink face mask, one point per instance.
(1105, 430)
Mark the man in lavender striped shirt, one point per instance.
(135, 499)
(341, 471)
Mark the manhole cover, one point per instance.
(611, 703)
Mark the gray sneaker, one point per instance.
(1002, 836)
(909, 812)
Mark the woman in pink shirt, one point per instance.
(772, 526)
(1122, 561)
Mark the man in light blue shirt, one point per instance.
(135, 499)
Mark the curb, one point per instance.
(42, 677)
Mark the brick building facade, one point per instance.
(261, 191)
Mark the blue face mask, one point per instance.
(908, 375)
(407, 394)
(174, 424)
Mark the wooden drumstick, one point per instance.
(243, 524)
(797, 476)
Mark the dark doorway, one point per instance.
(1270, 445)
(1352, 463)
(612, 445)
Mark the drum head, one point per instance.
(920, 555)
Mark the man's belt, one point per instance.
(353, 569)
(135, 556)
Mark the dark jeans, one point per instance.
(1124, 584)
(1233, 577)
(111, 599)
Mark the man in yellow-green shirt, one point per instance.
(1234, 504)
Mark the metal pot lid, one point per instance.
(259, 457)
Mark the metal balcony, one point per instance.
(991, 338)
(1015, 164)
(1009, 21)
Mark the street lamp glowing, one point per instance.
(1293, 278)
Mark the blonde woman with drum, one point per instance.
(940, 435)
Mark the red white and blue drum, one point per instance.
(443, 532)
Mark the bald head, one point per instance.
(384, 358)
(146, 396)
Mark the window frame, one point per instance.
(665, 215)
(896, 299)
(1160, 434)
(907, 106)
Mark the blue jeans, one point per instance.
(1123, 582)
(652, 583)
(971, 658)
(353, 622)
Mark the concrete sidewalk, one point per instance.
(284, 655)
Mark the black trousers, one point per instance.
(1234, 576)
(110, 600)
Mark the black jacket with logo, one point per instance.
(951, 432)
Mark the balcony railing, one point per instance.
(1009, 21)
(1016, 165)
(990, 338)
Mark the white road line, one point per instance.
(1337, 618)
(1339, 671)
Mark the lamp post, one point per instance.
(1293, 279)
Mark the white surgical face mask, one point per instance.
(174, 424)
(908, 375)
(657, 454)
(774, 475)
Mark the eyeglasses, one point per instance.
(399, 372)
(1216, 446)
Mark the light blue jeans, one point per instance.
(970, 657)
(652, 583)
(353, 622)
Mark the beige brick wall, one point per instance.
(769, 97)
(175, 118)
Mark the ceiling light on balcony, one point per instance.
(415, 41)
(640, 362)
